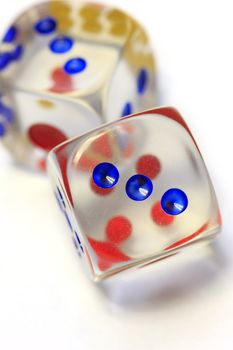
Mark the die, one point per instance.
(134, 191)
(66, 68)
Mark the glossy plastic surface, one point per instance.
(173, 203)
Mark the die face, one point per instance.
(161, 201)
(129, 91)
(135, 75)
(80, 72)
(43, 125)
(81, 53)
(51, 37)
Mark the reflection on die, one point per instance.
(134, 191)
(66, 68)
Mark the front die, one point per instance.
(66, 68)
(134, 191)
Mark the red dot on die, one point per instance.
(104, 265)
(102, 146)
(99, 190)
(41, 164)
(160, 217)
(108, 252)
(46, 136)
(148, 165)
(62, 81)
(118, 229)
(86, 162)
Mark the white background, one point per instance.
(46, 301)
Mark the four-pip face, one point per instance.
(66, 68)
(135, 191)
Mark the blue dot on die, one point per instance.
(105, 175)
(58, 201)
(46, 25)
(68, 221)
(7, 113)
(2, 130)
(79, 242)
(17, 53)
(75, 65)
(142, 81)
(61, 44)
(128, 109)
(61, 197)
(174, 201)
(10, 35)
(5, 59)
(139, 187)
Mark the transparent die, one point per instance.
(134, 191)
(67, 67)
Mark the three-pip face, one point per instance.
(136, 190)
(66, 68)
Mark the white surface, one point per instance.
(46, 302)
